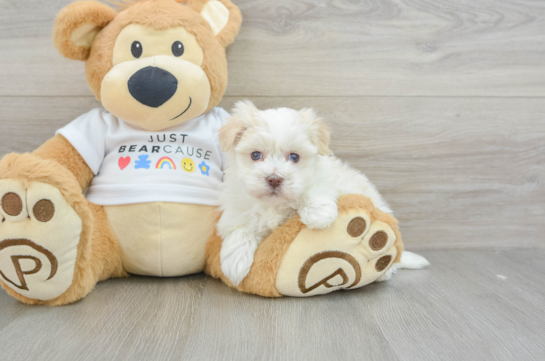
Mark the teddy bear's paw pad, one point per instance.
(39, 235)
(353, 252)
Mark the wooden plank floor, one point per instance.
(441, 103)
(472, 305)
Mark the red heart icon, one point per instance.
(124, 162)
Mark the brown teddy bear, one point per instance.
(151, 167)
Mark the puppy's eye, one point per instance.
(136, 49)
(178, 48)
(294, 157)
(257, 155)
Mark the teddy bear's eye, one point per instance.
(177, 48)
(136, 49)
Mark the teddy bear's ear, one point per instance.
(77, 25)
(223, 16)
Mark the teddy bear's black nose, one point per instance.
(152, 86)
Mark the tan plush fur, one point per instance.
(229, 33)
(159, 15)
(262, 277)
(61, 151)
(72, 17)
(225, 37)
(97, 256)
(169, 239)
(106, 251)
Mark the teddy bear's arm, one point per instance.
(61, 151)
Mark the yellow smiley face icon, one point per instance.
(188, 165)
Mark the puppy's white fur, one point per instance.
(251, 207)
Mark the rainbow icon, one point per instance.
(165, 162)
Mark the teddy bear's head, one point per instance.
(156, 63)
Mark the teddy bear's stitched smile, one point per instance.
(182, 113)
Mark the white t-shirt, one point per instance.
(182, 164)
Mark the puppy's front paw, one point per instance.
(319, 214)
(237, 256)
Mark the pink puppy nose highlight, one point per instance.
(275, 181)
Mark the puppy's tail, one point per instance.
(411, 260)
(408, 260)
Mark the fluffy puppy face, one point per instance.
(274, 151)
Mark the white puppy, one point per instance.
(278, 164)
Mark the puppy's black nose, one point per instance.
(275, 181)
(152, 86)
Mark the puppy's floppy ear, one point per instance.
(243, 114)
(77, 25)
(319, 132)
(223, 16)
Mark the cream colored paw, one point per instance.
(319, 215)
(353, 252)
(237, 256)
(39, 235)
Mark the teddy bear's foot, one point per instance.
(359, 247)
(45, 232)
(39, 235)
